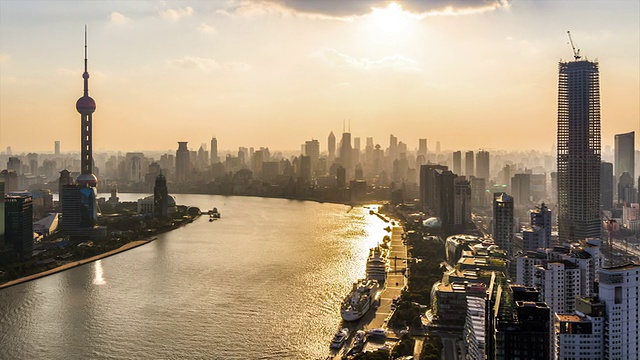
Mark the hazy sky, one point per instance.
(469, 73)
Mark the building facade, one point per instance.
(578, 147)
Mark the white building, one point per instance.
(619, 292)
(559, 285)
(474, 328)
(581, 335)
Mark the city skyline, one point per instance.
(400, 68)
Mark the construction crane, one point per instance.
(576, 52)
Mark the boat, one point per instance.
(377, 264)
(339, 338)
(214, 213)
(358, 343)
(359, 300)
(377, 332)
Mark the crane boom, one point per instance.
(576, 52)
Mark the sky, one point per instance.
(469, 73)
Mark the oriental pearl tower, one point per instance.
(86, 106)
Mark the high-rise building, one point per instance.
(478, 192)
(541, 216)
(428, 186)
(457, 162)
(559, 284)
(312, 149)
(581, 335)
(606, 185)
(503, 222)
(56, 148)
(331, 147)
(461, 203)
(2, 211)
(393, 148)
(518, 327)
(482, 165)
(214, 151)
(578, 150)
(626, 191)
(422, 147)
(624, 157)
(521, 188)
(160, 197)
(469, 164)
(618, 290)
(346, 155)
(183, 163)
(475, 328)
(19, 224)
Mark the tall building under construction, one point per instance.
(578, 150)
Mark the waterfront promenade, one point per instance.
(396, 281)
(125, 247)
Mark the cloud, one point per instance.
(207, 29)
(395, 62)
(348, 10)
(176, 14)
(4, 58)
(118, 18)
(271, 8)
(207, 65)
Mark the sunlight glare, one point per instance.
(391, 18)
(99, 275)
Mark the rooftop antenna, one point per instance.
(349, 125)
(576, 52)
(343, 125)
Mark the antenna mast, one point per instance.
(576, 52)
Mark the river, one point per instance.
(263, 282)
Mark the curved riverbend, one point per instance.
(263, 282)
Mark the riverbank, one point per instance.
(128, 246)
(125, 247)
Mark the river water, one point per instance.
(263, 282)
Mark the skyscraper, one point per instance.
(578, 150)
(160, 197)
(422, 147)
(482, 165)
(19, 225)
(331, 146)
(624, 157)
(606, 185)
(56, 149)
(346, 152)
(182, 161)
(469, 164)
(214, 151)
(503, 222)
(457, 162)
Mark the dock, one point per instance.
(396, 281)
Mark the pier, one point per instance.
(396, 281)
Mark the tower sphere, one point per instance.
(86, 105)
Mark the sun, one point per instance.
(391, 18)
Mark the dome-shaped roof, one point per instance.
(432, 222)
(87, 179)
(86, 105)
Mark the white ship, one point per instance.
(359, 301)
(377, 264)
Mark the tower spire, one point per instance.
(85, 75)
